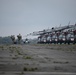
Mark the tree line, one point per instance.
(19, 38)
(11, 39)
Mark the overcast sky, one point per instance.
(27, 16)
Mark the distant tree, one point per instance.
(13, 38)
(19, 38)
(5, 40)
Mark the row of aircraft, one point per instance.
(62, 34)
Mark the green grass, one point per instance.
(29, 69)
(27, 57)
(2, 47)
(25, 69)
(18, 52)
(15, 58)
